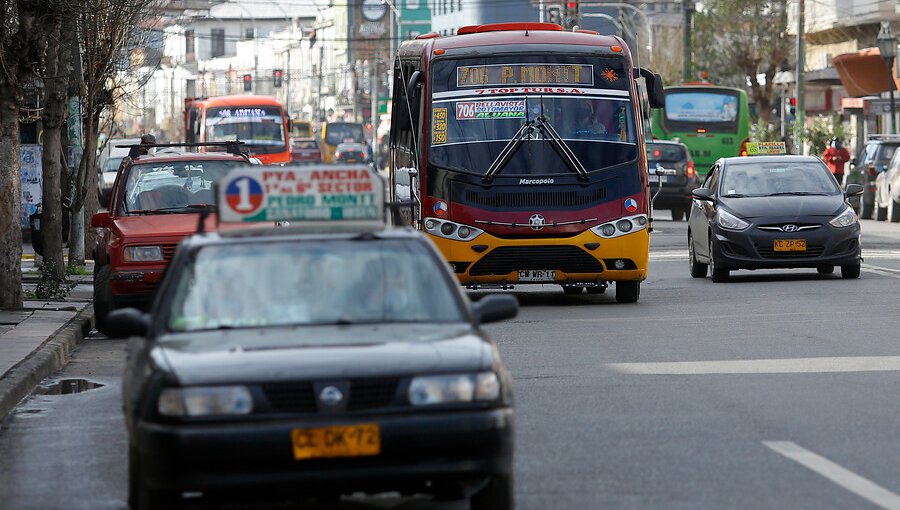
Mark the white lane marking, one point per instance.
(841, 476)
(883, 271)
(764, 366)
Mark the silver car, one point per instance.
(887, 191)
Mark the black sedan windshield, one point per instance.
(788, 178)
(312, 283)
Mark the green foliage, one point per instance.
(818, 131)
(762, 131)
(76, 270)
(49, 286)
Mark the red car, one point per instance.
(155, 202)
(305, 151)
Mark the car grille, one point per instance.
(168, 251)
(770, 253)
(519, 199)
(299, 396)
(506, 259)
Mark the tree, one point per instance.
(739, 40)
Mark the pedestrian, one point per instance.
(835, 157)
(143, 149)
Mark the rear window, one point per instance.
(664, 152)
(306, 145)
(886, 152)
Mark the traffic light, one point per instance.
(554, 14)
(573, 16)
(276, 78)
(792, 105)
(248, 83)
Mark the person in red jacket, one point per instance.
(835, 156)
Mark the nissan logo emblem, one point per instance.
(789, 228)
(331, 396)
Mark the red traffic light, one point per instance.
(247, 78)
(572, 5)
(793, 101)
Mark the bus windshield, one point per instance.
(340, 132)
(715, 111)
(261, 128)
(479, 105)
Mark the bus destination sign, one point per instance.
(524, 74)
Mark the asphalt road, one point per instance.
(775, 390)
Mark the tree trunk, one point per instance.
(10, 198)
(88, 163)
(53, 119)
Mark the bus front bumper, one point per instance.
(582, 259)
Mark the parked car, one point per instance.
(108, 164)
(305, 151)
(352, 153)
(887, 191)
(873, 159)
(676, 189)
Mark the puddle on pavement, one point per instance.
(67, 387)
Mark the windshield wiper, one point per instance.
(507, 153)
(562, 148)
(797, 193)
(734, 195)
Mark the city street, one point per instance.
(774, 390)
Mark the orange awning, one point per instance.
(863, 73)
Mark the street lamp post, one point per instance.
(887, 46)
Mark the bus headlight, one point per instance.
(621, 226)
(451, 230)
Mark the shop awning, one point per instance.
(863, 73)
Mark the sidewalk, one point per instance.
(36, 341)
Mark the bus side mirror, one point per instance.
(408, 112)
(655, 93)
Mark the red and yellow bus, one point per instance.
(520, 149)
(258, 121)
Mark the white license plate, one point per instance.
(658, 178)
(544, 275)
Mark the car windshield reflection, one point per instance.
(774, 179)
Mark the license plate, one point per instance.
(790, 245)
(537, 275)
(337, 441)
(659, 178)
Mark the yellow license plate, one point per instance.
(790, 245)
(337, 441)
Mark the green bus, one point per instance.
(713, 122)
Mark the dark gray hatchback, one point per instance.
(675, 194)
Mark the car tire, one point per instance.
(103, 303)
(698, 269)
(628, 291)
(850, 271)
(879, 212)
(825, 269)
(717, 274)
(677, 214)
(893, 211)
(572, 290)
(496, 495)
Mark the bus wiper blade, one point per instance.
(562, 148)
(507, 153)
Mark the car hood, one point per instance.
(277, 354)
(784, 206)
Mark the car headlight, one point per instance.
(729, 221)
(143, 254)
(455, 388)
(205, 401)
(845, 219)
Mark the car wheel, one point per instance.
(572, 290)
(893, 211)
(825, 269)
(102, 296)
(628, 291)
(496, 495)
(880, 212)
(677, 214)
(698, 269)
(717, 274)
(850, 271)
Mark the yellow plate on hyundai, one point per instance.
(337, 441)
(790, 245)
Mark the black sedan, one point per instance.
(769, 212)
(314, 365)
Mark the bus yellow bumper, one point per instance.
(471, 260)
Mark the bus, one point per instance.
(334, 133)
(301, 129)
(518, 148)
(258, 121)
(713, 121)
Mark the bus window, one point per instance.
(261, 128)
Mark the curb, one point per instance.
(51, 356)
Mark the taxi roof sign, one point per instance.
(765, 148)
(308, 194)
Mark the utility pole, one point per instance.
(373, 92)
(287, 84)
(801, 64)
(319, 92)
(688, 8)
